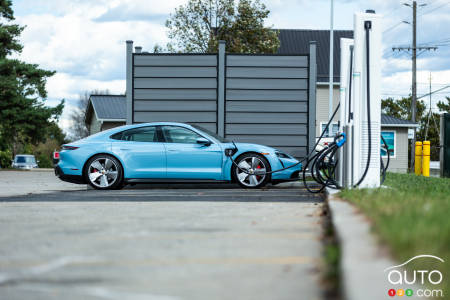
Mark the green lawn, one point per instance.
(412, 216)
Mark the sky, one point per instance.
(84, 40)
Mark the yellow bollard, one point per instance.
(426, 159)
(418, 159)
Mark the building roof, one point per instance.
(389, 121)
(296, 41)
(109, 107)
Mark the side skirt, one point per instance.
(172, 180)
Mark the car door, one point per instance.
(186, 159)
(141, 151)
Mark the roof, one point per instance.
(389, 121)
(109, 107)
(296, 41)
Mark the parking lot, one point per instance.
(161, 242)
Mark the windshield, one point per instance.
(214, 135)
(25, 159)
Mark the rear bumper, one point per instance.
(69, 178)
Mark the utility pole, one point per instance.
(414, 82)
(429, 112)
(414, 49)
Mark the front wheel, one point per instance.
(104, 172)
(256, 165)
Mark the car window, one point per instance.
(213, 134)
(25, 159)
(142, 134)
(176, 134)
(20, 159)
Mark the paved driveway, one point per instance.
(216, 242)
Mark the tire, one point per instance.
(250, 162)
(104, 172)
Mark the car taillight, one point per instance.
(65, 147)
(56, 155)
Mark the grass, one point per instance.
(412, 217)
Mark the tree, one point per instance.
(200, 24)
(444, 107)
(427, 129)
(401, 109)
(78, 129)
(44, 150)
(24, 118)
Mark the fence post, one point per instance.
(221, 90)
(129, 82)
(312, 66)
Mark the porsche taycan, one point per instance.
(169, 152)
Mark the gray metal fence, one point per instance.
(265, 99)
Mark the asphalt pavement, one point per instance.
(162, 242)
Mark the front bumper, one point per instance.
(78, 179)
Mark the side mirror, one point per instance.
(203, 141)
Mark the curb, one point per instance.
(362, 261)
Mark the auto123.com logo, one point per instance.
(417, 283)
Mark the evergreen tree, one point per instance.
(23, 116)
(444, 107)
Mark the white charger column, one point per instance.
(365, 24)
(344, 109)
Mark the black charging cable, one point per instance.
(367, 27)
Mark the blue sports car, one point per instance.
(169, 152)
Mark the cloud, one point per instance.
(81, 47)
(69, 87)
(142, 10)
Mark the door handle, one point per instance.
(125, 149)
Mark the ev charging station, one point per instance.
(360, 104)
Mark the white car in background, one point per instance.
(24, 161)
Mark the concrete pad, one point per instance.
(38, 181)
(161, 244)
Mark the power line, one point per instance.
(434, 9)
(433, 92)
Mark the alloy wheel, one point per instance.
(103, 172)
(253, 165)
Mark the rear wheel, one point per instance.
(104, 172)
(251, 171)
